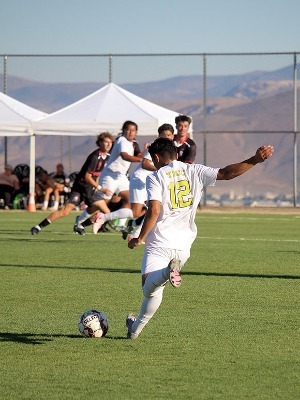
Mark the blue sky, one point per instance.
(156, 26)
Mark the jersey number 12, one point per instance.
(180, 194)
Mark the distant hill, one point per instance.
(258, 101)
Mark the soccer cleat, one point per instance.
(98, 223)
(129, 228)
(34, 230)
(78, 228)
(103, 229)
(130, 319)
(79, 231)
(174, 274)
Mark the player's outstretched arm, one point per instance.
(234, 170)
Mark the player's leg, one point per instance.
(67, 208)
(121, 190)
(137, 197)
(74, 200)
(154, 281)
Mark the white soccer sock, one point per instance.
(122, 222)
(45, 205)
(83, 217)
(56, 204)
(137, 232)
(153, 294)
(121, 213)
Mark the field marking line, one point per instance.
(248, 239)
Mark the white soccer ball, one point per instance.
(93, 324)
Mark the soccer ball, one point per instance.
(93, 324)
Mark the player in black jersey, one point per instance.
(186, 147)
(86, 187)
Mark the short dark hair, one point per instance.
(183, 118)
(164, 147)
(127, 123)
(102, 136)
(165, 127)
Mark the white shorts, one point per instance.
(158, 258)
(137, 190)
(115, 182)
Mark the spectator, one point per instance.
(45, 185)
(60, 178)
(9, 183)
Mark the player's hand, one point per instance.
(134, 243)
(106, 191)
(263, 153)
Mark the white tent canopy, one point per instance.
(106, 110)
(16, 118)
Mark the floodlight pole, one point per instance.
(204, 121)
(295, 132)
(110, 68)
(5, 92)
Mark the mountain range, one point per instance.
(242, 112)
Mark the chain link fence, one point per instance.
(238, 102)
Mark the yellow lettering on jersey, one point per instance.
(176, 172)
(180, 194)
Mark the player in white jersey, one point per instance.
(137, 187)
(174, 193)
(114, 176)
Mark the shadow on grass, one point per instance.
(40, 338)
(33, 239)
(239, 275)
(32, 338)
(137, 271)
(105, 269)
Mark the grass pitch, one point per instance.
(231, 331)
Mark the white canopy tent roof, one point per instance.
(16, 118)
(106, 110)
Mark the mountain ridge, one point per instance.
(259, 101)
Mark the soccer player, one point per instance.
(174, 193)
(86, 187)
(114, 175)
(186, 147)
(137, 187)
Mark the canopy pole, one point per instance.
(31, 203)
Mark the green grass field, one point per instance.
(231, 331)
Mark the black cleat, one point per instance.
(78, 230)
(34, 230)
(128, 229)
(103, 229)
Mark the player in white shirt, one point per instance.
(114, 176)
(137, 187)
(174, 193)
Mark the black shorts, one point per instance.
(81, 193)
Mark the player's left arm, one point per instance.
(149, 222)
(234, 170)
(128, 157)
